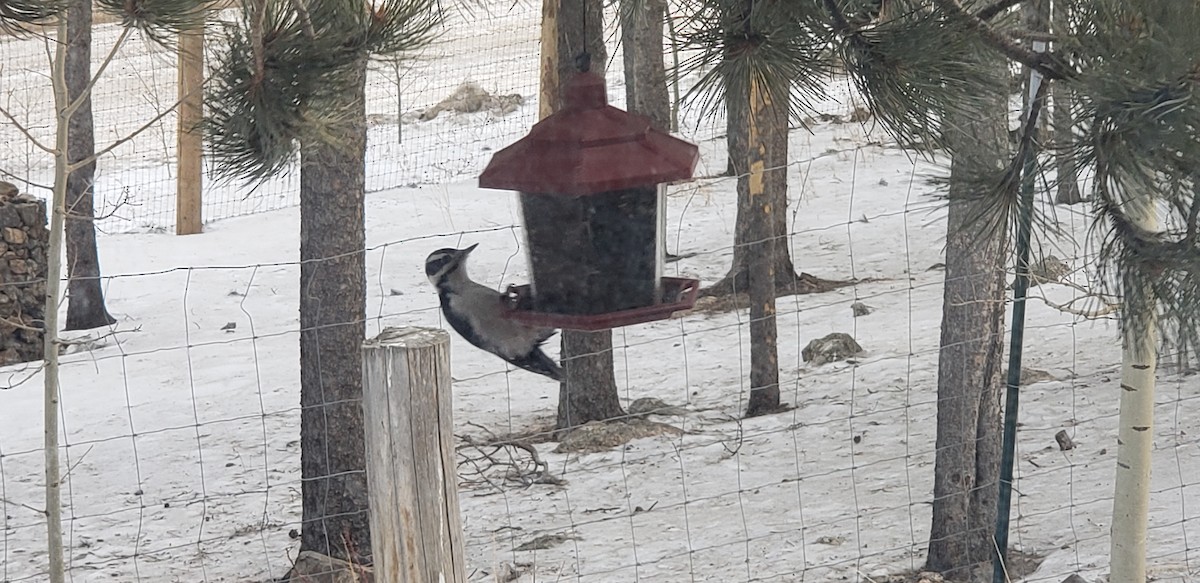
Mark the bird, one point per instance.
(476, 312)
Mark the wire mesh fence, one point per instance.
(182, 437)
(181, 422)
(483, 67)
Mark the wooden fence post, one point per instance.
(416, 530)
(189, 140)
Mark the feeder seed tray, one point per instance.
(678, 294)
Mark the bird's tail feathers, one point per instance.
(538, 362)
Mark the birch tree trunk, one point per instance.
(57, 208)
(1135, 435)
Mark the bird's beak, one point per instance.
(462, 253)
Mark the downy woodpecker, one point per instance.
(476, 312)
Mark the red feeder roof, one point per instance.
(590, 147)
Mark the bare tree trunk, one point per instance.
(332, 321)
(588, 391)
(1068, 191)
(645, 73)
(760, 261)
(85, 297)
(970, 363)
(1063, 122)
(51, 387)
(776, 185)
(571, 41)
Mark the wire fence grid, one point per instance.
(181, 433)
(181, 423)
(433, 116)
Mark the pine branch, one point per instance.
(305, 18)
(840, 23)
(1042, 62)
(14, 13)
(991, 11)
(161, 21)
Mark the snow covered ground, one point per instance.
(183, 432)
(183, 447)
(493, 47)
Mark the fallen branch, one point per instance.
(504, 455)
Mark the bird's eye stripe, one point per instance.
(436, 264)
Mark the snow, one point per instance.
(182, 438)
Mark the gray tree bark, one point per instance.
(757, 126)
(332, 321)
(85, 296)
(1063, 121)
(775, 134)
(736, 281)
(645, 73)
(970, 364)
(763, 122)
(588, 391)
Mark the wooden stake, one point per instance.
(416, 529)
(190, 141)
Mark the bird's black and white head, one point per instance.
(444, 264)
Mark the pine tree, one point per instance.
(311, 102)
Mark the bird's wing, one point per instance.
(459, 319)
(544, 334)
(505, 338)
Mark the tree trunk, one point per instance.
(775, 135)
(1063, 121)
(970, 364)
(570, 42)
(588, 391)
(85, 297)
(332, 322)
(645, 73)
(1135, 433)
(1068, 191)
(760, 260)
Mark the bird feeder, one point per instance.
(588, 177)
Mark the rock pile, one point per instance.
(24, 240)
